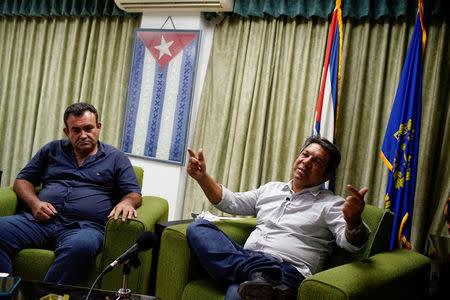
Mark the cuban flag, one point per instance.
(160, 90)
(327, 103)
(400, 148)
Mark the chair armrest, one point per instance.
(397, 274)
(119, 236)
(177, 265)
(8, 201)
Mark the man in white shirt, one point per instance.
(297, 225)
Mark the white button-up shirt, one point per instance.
(297, 228)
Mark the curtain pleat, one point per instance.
(434, 159)
(306, 8)
(251, 115)
(356, 9)
(48, 64)
(62, 8)
(259, 98)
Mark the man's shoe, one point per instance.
(262, 287)
(259, 287)
(283, 292)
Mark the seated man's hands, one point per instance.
(43, 211)
(355, 232)
(127, 207)
(196, 167)
(354, 206)
(127, 211)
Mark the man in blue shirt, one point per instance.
(84, 182)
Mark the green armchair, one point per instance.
(374, 274)
(32, 264)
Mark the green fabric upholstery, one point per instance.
(8, 202)
(376, 273)
(397, 274)
(152, 211)
(380, 223)
(32, 264)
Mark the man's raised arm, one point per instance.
(196, 168)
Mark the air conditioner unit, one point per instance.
(178, 5)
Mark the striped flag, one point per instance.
(400, 147)
(327, 103)
(159, 95)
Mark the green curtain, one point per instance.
(259, 98)
(356, 9)
(47, 64)
(61, 8)
(250, 115)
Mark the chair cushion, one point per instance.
(33, 264)
(381, 276)
(203, 289)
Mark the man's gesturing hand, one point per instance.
(354, 206)
(196, 167)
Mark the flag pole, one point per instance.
(424, 32)
(341, 37)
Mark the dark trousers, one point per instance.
(228, 263)
(75, 248)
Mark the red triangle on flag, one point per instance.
(164, 46)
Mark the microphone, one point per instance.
(144, 242)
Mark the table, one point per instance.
(35, 290)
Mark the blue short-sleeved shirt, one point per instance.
(83, 195)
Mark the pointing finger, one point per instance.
(363, 191)
(351, 189)
(191, 152)
(355, 193)
(201, 157)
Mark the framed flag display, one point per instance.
(160, 91)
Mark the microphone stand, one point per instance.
(125, 292)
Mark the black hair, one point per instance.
(333, 151)
(77, 109)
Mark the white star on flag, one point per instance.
(164, 47)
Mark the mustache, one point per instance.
(83, 140)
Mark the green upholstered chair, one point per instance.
(32, 264)
(375, 274)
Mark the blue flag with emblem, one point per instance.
(401, 141)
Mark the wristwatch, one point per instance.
(357, 229)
